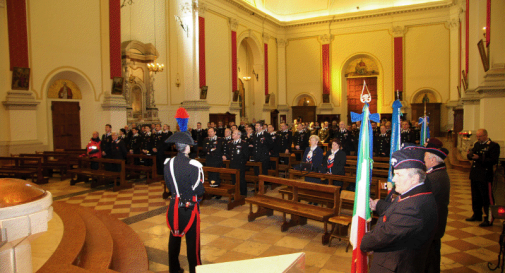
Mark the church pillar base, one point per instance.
(114, 107)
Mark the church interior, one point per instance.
(69, 67)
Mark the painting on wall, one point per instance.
(64, 89)
(362, 67)
(117, 86)
(20, 78)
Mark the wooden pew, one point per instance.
(73, 157)
(133, 170)
(274, 172)
(101, 175)
(225, 189)
(23, 168)
(249, 174)
(53, 162)
(299, 211)
(286, 166)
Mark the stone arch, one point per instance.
(304, 95)
(379, 75)
(73, 74)
(254, 98)
(254, 43)
(433, 95)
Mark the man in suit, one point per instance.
(238, 154)
(135, 143)
(402, 236)
(261, 142)
(106, 142)
(213, 149)
(407, 135)
(345, 138)
(300, 140)
(226, 139)
(220, 129)
(146, 146)
(118, 151)
(485, 154)
(198, 134)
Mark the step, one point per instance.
(96, 255)
(129, 254)
(72, 241)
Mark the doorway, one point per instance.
(354, 87)
(432, 111)
(66, 125)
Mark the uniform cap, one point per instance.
(408, 158)
(182, 138)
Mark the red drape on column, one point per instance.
(115, 38)
(266, 69)
(326, 69)
(398, 64)
(201, 50)
(467, 36)
(18, 37)
(488, 23)
(233, 61)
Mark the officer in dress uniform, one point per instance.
(213, 151)
(238, 154)
(146, 146)
(135, 142)
(345, 138)
(199, 134)
(404, 231)
(300, 140)
(324, 134)
(118, 151)
(407, 135)
(184, 177)
(241, 127)
(106, 142)
(261, 141)
(226, 139)
(248, 138)
(220, 129)
(159, 148)
(485, 154)
(355, 135)
(417, 132)
(275, 148)
(376, 130)
(382, 143)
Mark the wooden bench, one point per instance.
(225, 189)
(53, 162)
(286, 166)
(133, 170)
(72, 156)
(23, 168)
(100, 176)
(250, 176)
(274, 172)
(299, 211)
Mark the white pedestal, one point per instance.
(290, 263)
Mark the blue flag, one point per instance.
(395, 134)
(425, 130)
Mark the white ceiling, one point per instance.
(291, 10)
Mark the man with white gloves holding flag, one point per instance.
(404, 231)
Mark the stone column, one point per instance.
(198, 109)
(22, 106)
(282, 105)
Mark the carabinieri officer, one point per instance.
(184, 177)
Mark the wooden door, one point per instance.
(306, 113)
(66, 125)
(328, 118)
(274, 118)
(458, 121)
(432, 111)
(223, 117)
(354, 87)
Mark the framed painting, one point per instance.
(20, 78)
(117, 86)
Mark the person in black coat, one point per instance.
(106, 142)
(184, 177)
(407, 135)
(437, 181)
(345, 138)
(313, 155)
(213, 149)
(334, 161)
(300, 140)
(118, 151)
(199, 134)
(261, 142)
(402, 236)
(382, 143)
(485, 154)
(238, 154)
(146, 145)
(135, 142)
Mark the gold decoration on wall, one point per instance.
(362, 67)
(64, 89)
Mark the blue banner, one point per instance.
(395, 134)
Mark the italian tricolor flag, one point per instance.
(361, 213)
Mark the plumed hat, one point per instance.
(183, 136)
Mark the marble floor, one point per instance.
(228, 236)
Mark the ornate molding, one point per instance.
(326, 38)
(114, 102)
(233, 24)
(202, 8)
(452, 24)
(187, 8)
(282, 42)
(195, 105)
(266, 37)
(398, 31)
(20, 100)
(235, 107)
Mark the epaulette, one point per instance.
(195, 163)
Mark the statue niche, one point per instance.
(139, 82)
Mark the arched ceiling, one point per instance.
(292, 10)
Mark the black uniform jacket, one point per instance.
(437, 181)
(106, 144)
(261, 146)
(238, 154)
(335, 166)
(189, 182)
(147, 143)
(407, 136)
(199, 136)
(135, 143)
(213, 151)
(285, 139)
(403, 234)
(382, 145)
(301, 138)
(275, 148)
(345, 138)
(118, 149)
(482, 168)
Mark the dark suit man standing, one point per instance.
(382, 143)
(407, 135)
(238, 154)
(485, 154)
(300, 140)
(261, 141)
(106, 142)
(220, 129)
(212, 149)
(198, 134)
(118, 151)
(345, 138)
(402, 236)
